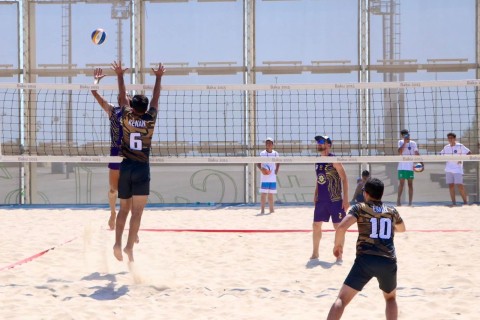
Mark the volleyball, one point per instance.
(99, 36)
(418, 167)
(266, 170)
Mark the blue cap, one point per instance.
(322, 139)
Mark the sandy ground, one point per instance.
(71, 273)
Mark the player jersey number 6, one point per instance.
(135, 141)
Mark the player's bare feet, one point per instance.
(314, 256)
(117, 252)
(129, 253)
(111, 221)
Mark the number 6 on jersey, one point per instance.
(135, 141)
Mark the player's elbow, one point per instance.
(341, 229)
(400, 227)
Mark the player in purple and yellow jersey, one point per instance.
(376, 256)
(114, 115)
(331, 193)
(138, 125)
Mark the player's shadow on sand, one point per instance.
(263, 214)
(109, 292)
(313, 263)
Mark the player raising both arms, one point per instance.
(114, 115)
(138, 125)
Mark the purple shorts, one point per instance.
(326, 209)
(114, 165)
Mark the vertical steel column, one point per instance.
(138, 32)
(250, 101)
(477, 97)
(28, 100)
(364, 76)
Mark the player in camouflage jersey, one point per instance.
(138, 125)
(376, 257)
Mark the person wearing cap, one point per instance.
(454, 169)
(268, 176)
(358, 195)
(406, 147)
(331, 193)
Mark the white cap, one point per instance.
(268, 139)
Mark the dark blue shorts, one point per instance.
(114, 165)
(134, 179)
(368, 266)
(326, 209)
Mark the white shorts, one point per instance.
(454, 178)
(268, 187)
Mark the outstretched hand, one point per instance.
(117, 67)
(159, 71)
(98, 75)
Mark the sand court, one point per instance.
(235, 273)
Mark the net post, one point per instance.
(138, 47)
(27, 137)
(250, 78)
(477, 95)
(364, 78)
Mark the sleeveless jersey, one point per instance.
(137, 134)
(329, 184)
(115, 127)
(376, 222)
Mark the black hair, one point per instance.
(365, 173)
(139, 102)
(374, 187)
(404, 131)
(451, 134)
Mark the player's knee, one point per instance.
(391, 296)
(317, 226)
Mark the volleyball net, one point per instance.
(229, 123)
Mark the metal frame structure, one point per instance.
(391, 65)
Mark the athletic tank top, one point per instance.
(115, 127)
(329, 184)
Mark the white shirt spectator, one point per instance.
(272, 177)
(409, 150)
(454, 166)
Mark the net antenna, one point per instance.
(214, 123)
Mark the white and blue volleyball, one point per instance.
(266, 168)
(99, 36)
(418, 167)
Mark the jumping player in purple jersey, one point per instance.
(376, 256)
(331, 193)
(114, 115)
